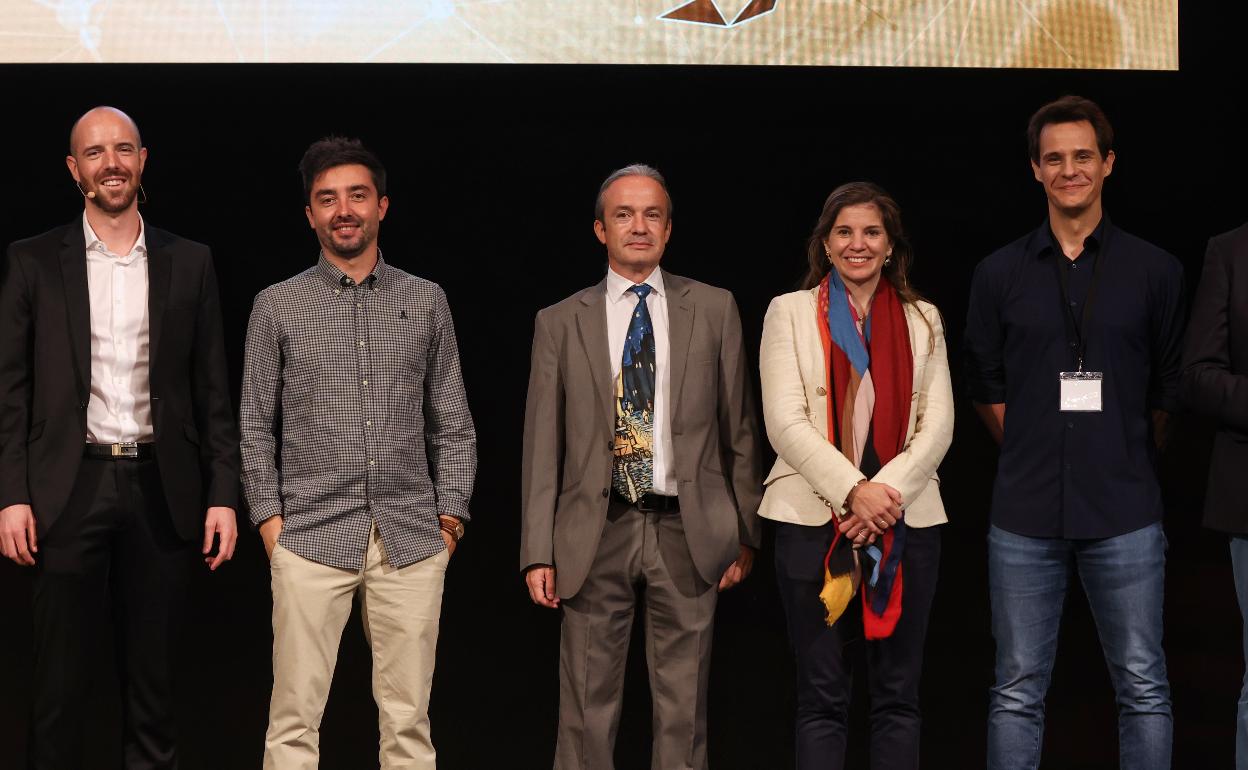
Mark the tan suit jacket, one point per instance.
(795, 408)
(570, 421)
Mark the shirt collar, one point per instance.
(337, 278)
(1043, 242)
(95, 244)
(618, 285)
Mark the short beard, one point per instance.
(107, 205)
(349, 252)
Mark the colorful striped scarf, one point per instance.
(870, 377)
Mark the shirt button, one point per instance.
(605, 492)
(372, 462)
(366, 382)
(368, 423)
(359, 304)
(821, 391)
(337, 292)
(361, 343)
(1070, 424)
(1072, 345)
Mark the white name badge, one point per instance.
(1081, 391)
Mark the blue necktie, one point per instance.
(633, 474)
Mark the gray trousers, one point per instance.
(640, 556)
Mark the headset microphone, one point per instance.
(91, 194)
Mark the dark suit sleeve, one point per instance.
(1208, 386)
(984, 341)
(16, 332)
(210, 387)
(738, 426)
(543, 450)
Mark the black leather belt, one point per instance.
(652, 503)
(125, 450)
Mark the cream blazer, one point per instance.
(795, 407)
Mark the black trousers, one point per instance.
(823, 653)
(113, 550)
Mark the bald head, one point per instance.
(102, 117)
(106, 160)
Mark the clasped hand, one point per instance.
(873, 508)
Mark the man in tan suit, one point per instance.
(641, 475)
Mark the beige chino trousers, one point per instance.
(400, 609)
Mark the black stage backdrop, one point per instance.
(493, 170)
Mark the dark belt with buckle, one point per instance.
(652, 503)
(124, 450)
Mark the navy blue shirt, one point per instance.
(1076, 474)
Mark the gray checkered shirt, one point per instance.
(361, 385)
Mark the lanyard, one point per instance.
(1076, 328)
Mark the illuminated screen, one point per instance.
(1085, 34)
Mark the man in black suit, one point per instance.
(118, 446)
(1215, 384)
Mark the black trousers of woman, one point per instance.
(823, 653)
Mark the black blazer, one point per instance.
(45, 370)
(1215, 375)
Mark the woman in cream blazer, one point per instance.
(814, 489)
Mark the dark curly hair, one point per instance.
(333, 151)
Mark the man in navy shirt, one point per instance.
(1077, 328)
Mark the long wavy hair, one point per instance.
(896, 270)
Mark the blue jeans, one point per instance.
(1239, 563)
(1123, 578)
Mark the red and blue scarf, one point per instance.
(870, 376)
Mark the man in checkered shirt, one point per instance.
(352, 366)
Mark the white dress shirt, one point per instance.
(620, 305)
(120, 408)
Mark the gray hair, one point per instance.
(635, 169)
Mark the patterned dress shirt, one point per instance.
(360, 385)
